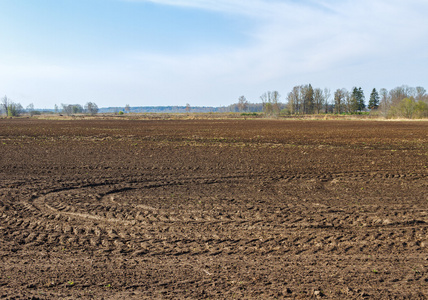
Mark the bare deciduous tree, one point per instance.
(297, 99)
(318, 100)
(421, 94)
(242, 103)
(188, 108)
(339, 97)
(4, 104)
(270, 101)
(307, 93)
(385, 102)
(30, 109)
(275, 102)
(291, 103)
(327, 95)
(91, 108)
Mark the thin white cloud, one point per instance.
(249, 7)
(308, 38)
(305, 41)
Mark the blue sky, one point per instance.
(205, 52)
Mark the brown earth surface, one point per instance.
(213, 209)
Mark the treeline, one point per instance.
(161, 109)
(72, 109)
(10, 108)
(403, 101)
(400, 102)
(13, 109)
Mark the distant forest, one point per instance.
(400, 102)
(163, 109)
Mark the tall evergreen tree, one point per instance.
(354, 100)
(374, 100)
(360, 99)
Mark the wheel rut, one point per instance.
(119, 216)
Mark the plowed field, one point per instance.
(217, 209)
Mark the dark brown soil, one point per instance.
(216, 209)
